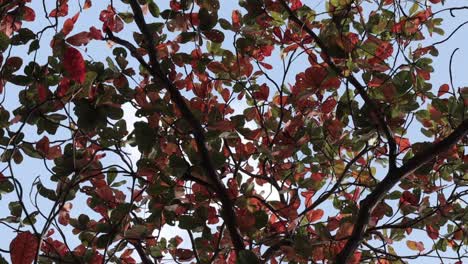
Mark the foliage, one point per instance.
(261, 131)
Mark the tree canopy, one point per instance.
(241, 132)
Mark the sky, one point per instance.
(30, 169)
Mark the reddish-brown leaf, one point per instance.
(314, 215)
(87, 4)
(79, 39)
(28, 14)
(74, 65)
(69, 24)
(41, 92)
(444, 88)
(432, 232)
(42, 146)
(23, 248)
(328, 105)
(236, 16)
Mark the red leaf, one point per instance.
(41, 92)
(314, 215)
(69, 24)
(87, 4)
(54, 152)
(63, 87)
(74, 65)
(111, 21)
(79, 39)
(296, 4)
(328, 105)
(184, 254)
(262, 93)
(95, 33)
(64, 214)
(410, 198)
(212, 217)
(42, 146)
(61, 11)
(236, 19)
(432, 232)
(28, 14)
(444, 88)
(403, 143)
(23, 248)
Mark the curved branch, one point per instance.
(390, 180)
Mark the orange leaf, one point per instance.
(403, 143)
(413, 245)
(23, 248)
(444, 88)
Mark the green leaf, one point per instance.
(154, 9)
(247, 257)
(34, 46)
(144, 136)
(207, 20)
(261, 219)
(4, 41)
(15, 208)
(45, 192)
(188, 222)
(6, 186)
(111, 174)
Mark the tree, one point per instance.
(261, 131)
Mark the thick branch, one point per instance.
(228, 212)
(390, 180)
(141, 252)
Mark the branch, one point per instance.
(382, 124)
(325, 196)
(228, 213)
(390, 180)
(141, 252)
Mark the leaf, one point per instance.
(314, 215)
(144, 137)
(4, 41)
(28, 14)
(154, 9)
(432, 232)
(403, 143)
(69, 24)
(80, 39)
(214, 35)
(247, 257)
(23, 248)
(413, 245)
(74, 65)
(15, 209)
(444, 88)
